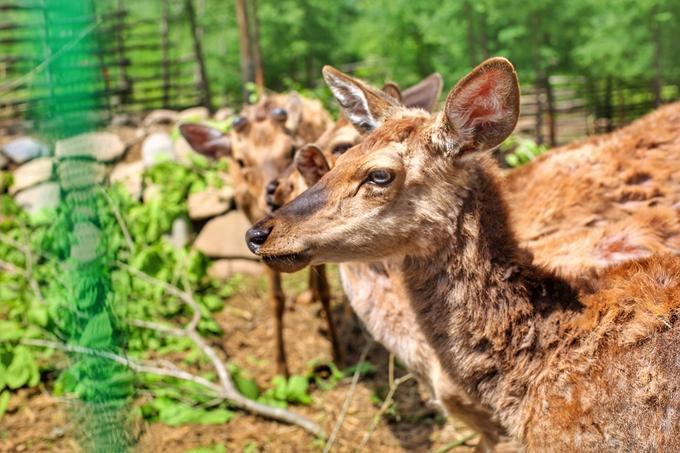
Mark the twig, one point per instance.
(348, 398)
(393, 385)
(121, 222)
(456, 443)
(174, 331)
(9, 267)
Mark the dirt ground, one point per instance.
(38, 422)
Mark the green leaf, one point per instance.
(98, 332)
(21, 369)
(365, 369)
(4, 402)
(297, 390)
(215, 448)
(38, 314)
(3, 373)
(174, 413)
(10, 330)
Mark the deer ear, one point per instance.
(425, 93)
(392, 89)
(482, 110)
(365, 107)
(206, 140)
(311, 163)
(294, 109)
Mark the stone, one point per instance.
(102, 146)
(32, 173)
(210, 202)
(224, 237)
(194, 114)
(182, 150)
(24, 149)
(161, 116)
(150, 192)
(224, 269)
(223, 113)
(180, 233)
(77, 174)
(130, 175)
(34, 199)
(157, 147)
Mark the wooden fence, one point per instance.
(157, 61)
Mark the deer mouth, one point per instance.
(291, 262)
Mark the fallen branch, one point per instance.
(456, 443)
(227, 389)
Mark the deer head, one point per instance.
(261, 144)
(313, 160)
(395, 193)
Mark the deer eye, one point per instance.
(239, 123)
(380, 177)
(340, 148)
(240, 162)
(279, 114)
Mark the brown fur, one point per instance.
(559, 370)
(258, 152)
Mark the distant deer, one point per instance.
(557, 369)
(261, 144)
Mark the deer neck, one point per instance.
(490, 316)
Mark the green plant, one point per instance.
(520, 150)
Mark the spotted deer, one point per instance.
(260, 145)
(557, 369)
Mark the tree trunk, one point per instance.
(247, 64)
(255, 47)
(658, 79)
(203, 83)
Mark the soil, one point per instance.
(36, 421)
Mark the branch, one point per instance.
(227, 389)
(28, 272)
(348, 398)
(121, 223)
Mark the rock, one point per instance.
(157, 147)
(103, 146)
(194, 114)
(161, 117)
(179, 236)
(210, 202)
(182, 150)
(150, 192)
(130, 175)
(32, 173)
(78, 174)
(223, 113)
(225, 269)
(24, 149)
(45, 195)
(124, 119)
(224, 237)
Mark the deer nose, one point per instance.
(271, 187)
(256, 236)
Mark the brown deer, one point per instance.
(557, 369)
(261, 144)
(610, 198)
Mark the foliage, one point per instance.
(519, 150)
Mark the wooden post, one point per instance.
(550, 104)
(165, 50)
(247, 64)
(203, 82)
(255, 47)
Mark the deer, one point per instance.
(607, 199)
(556, 368)
(261, 144)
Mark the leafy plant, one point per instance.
(520, 150)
